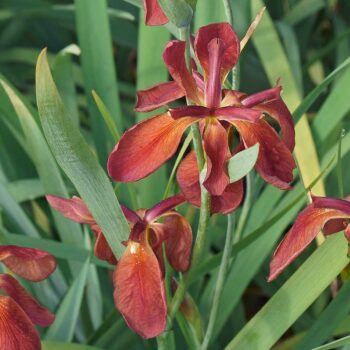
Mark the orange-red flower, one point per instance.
(154, 15)
(138, 278)
(19, 311)
(146, 146)
(330, 214)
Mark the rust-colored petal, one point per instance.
(102, 250)
(231, 46)
(275, 162)
(216, 149)
(178, 242)
(29, 263)
(37, 313)
(306, 227)
(164, 206)
(145, 147)
(188, 180)
(154, 15)
(72, 208)
(157, 96)
(231, 114)
(139, 290)
(17, 332)
(174, 58)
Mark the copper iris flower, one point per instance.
(154, 15)
(138, 277)
(147, 145)
(19, 311)
(330, 214)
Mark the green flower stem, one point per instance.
(225, 262)
(166, 341)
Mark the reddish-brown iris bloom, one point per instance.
(330, 214)
(138, 278)
(147, 145)
(154, 15)
(19, 311)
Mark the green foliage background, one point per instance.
(303, 42)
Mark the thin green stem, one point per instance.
(225, 262)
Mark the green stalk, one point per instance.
(225, 262)
(228, 11)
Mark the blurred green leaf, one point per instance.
(335, 344)
(77, 160)
(178, 11)
(67, 314)
(51, 345)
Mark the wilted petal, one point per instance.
(145, 147)
(29, 263)
(216, 149)
(188, 179)
(306, 227)
(275, 162)
(230, 54)
(17, 332)
(164, 206)
(139, 290)
(178, 242)
(157, 96)
(174, 58)
(72, 208)
(154, 15)
(37, 313)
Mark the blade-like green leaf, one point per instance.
(52, 345)
(178, 11)
(77, 160)
(67, 314)
(335, 344)
(242, 163)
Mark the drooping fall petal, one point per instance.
(154, 15)
(145, 147)
(139, 290)
(102, 250)
(37, 313)
(188, 180)
(230, 41)
(275, 162)
(72, 208)
(306, 227)
(17, 332)
(174, 58)
(164, 206)
(157, 96)
(29, 263)
(216, 149)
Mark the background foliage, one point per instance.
(104, 46)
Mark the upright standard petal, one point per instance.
(231, 47)
(157, 96)
(154, 15)
(29, 263)
(139, 290)
(275, 162)
(36, 313)
(145, 147)
(72, 208)
(17, 332)
(306, 227)
(217, 151)
(174, 58)
(188, 180)
(164, 206)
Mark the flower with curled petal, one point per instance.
(147, 145)
(138, 277)
(330, 214)
(19, 311)
(154, 15)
